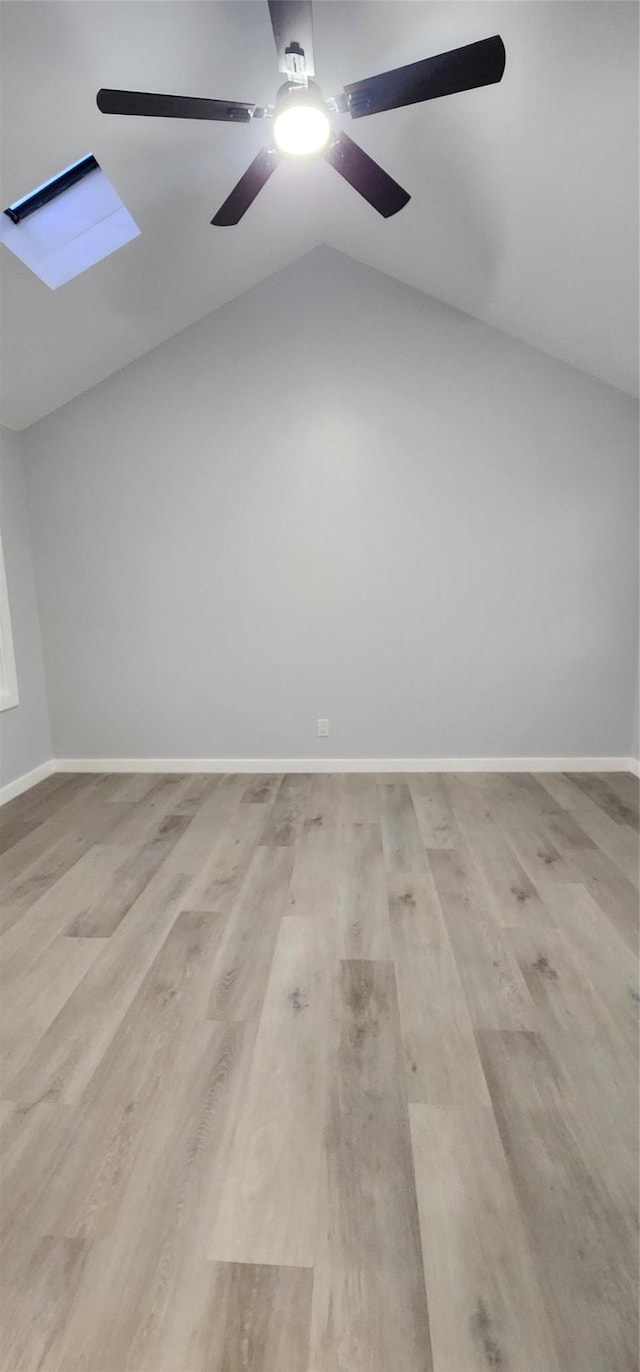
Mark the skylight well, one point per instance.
(67, 224)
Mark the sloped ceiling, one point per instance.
(524, 207)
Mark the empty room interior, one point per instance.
(319, 644)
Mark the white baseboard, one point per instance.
(315, 764)
(25, 782)
(345, 764)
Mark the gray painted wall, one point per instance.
(25, 737)
(337, 497)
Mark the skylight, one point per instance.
(67, 224)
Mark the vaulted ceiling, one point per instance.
(524, 208)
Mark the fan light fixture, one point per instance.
(301, 130)
(301, 126)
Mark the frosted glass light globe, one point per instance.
(301, 130)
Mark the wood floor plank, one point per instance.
(268, 1210)
(603, 878)
(325, 799)
(67, 1055)
(485, 1305)
(256, 1320)
(54, 912)
(152, 1269)
(607, 960)
(605, 797)
(47, 852)
(87, 1172)
(60, 793)
(39, 876)
(509, 791)
(544, 864)
(466, 794)
(232, 850)
(362, 908)
(197, 790)
(496, 992)
(287, 814)
(143, 823)
(612, 827)
(442, 1063)
(626, 786)
(24, 1135)
(506, 799)
(39, 1277)
(360, 799)
(28, 800)
(243, 962)
(31, 1004)
(585, 1258)
(369, 1302)
(401, 838)
(102, 916)
(315, 878)
(564, 995)
(564, 830)
(261, 789)
(436, 820)
(216, 849)
(559, 788)
(592, 1054)
(134, 786)
(511, 893)
(618, 842)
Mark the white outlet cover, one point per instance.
(323, 728)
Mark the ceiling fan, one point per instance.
(303, 119)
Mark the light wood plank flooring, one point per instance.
(320, 1074)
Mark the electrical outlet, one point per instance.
(323, 728)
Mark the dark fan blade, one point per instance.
(174, 106)
(366, 177)
(292, 23)
(245, 192)
(479, 64)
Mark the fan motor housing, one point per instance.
(299, 93)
